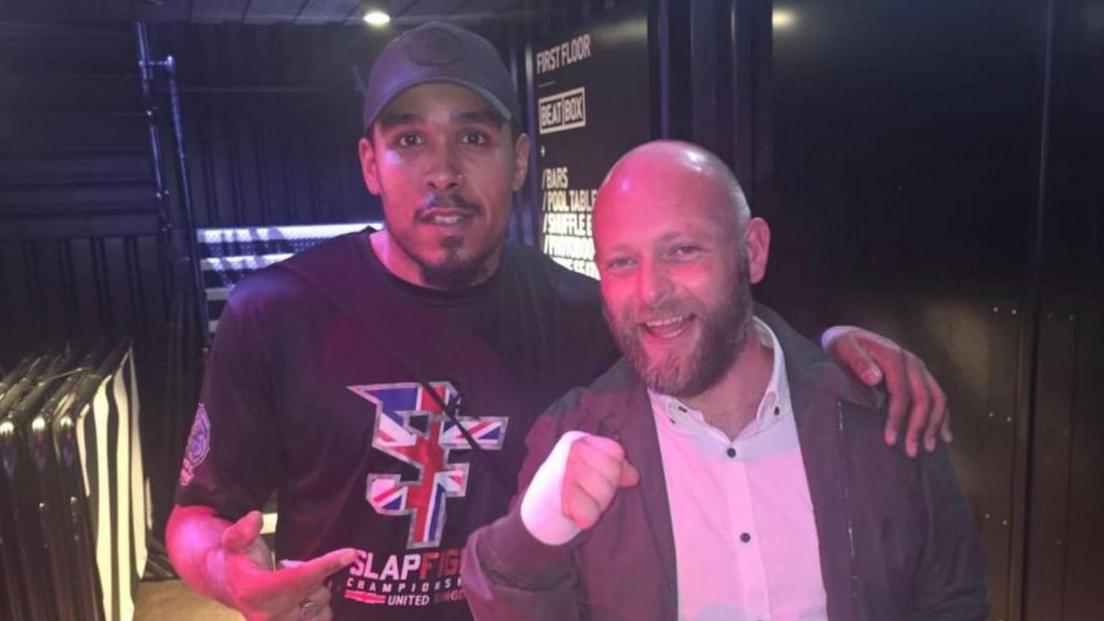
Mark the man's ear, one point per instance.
(757, 242)
(521, 160)
(368, 167)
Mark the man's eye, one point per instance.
(409, 140)
(685, 251)
(474, 138)
(619, 263)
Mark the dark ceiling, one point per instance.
(251, 11)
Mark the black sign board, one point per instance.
(592, 100)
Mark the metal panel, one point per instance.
(710, 76)
(197, 11)
(1065, 578)
(81, 250)
(1083, 593)
(162, 10)
(327, 11)
(272, 142)
(906, 157)
(82, 224)
(88, 91)
(1050, 477)
(83, 130)
(270, 11)
(218, 10)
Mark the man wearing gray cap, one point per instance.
(383, 383)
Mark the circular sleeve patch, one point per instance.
(199, 445)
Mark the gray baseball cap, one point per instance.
(440, 52)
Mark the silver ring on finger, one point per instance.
(309, 609)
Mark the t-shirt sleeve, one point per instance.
(233, 458)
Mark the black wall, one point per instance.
(271, 120)
(79, 219)
(83, 232)
(937, 176)
(1065, 548)
(907, 141)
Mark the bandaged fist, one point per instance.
(596, 469)
(574, 486)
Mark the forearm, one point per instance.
(509, 575)
(523, 567)
(193, 537)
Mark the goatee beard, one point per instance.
(455, 271)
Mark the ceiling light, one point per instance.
(782, 18)
(377, 18)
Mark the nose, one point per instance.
(444, 170)
(653, 282)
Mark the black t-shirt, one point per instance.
(311, 390)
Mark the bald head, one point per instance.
(675, 173)
(677, 251)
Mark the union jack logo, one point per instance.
(411, 427)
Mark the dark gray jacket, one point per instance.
(897, 540)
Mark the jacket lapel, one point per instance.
(817, 416)
(816, 387)
(630, 423)
(817, 429)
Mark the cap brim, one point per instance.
(402, 87)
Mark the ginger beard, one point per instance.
(723, 335)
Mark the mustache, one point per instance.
(438, 201)
(660, 310)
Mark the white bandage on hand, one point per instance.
(542, 506)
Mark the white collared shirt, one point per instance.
(746, 545)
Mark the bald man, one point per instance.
(725, 468)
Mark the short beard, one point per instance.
(723, 338)
(454, 272)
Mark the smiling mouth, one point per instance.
(668, 327)
(446, 220)
(446, 217)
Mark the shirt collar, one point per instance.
(774, 404)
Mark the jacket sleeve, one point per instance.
(507, 573)
(950, 582)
